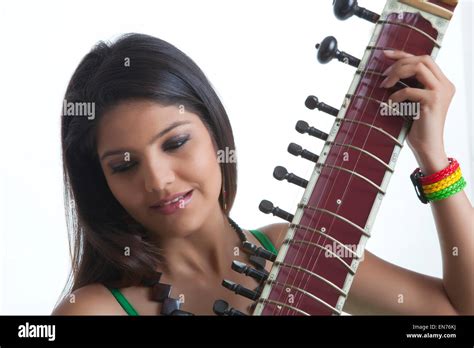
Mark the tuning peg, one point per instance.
(280, 173)
(259, 252)
(312, 103)
(268, 208)
(297, 150)
(303, 127)
(327, 50)
(240, 290)
(241, 267)
(344, 9)
(221, 307)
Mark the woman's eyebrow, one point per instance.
(167, 129)
(153, 139)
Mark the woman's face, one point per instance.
(161, 165)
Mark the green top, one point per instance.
(262, 238)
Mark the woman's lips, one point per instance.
(173, 205)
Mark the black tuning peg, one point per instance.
(297, 150)
(241, 267)
(259, 253)
(313, 102)
(240, 290)
(303, 127)
(221, 307)
(268, 208)
(344, 9)
(280, 173)
(327, 50)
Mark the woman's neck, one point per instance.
(207, 253)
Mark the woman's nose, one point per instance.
(158, 176)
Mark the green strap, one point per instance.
(123, 302)
(264, 240)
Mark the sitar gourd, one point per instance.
(315, 265)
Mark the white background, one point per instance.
(260, 57)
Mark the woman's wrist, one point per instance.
(432, 161)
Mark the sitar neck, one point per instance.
(324, 245)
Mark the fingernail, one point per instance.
(384, 82)
(389, 52)
(387, 71)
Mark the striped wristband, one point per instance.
(440, 185)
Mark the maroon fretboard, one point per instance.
(316, 264)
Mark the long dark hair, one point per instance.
(135, 66)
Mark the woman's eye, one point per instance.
(123, 167)
(177, 143)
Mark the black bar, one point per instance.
(290, 331)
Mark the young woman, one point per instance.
(146, 194)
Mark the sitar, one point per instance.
(323, 247)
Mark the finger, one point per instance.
(396, 54)
(430, 63)
(411, 94)
(406, 58)
(419, 70)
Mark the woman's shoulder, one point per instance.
(275, 232)
(92, 299)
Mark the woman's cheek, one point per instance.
(205, 168)
(123, 195)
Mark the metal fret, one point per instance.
(381, 130)
(380, 48)
(305, 206)
(354, 173)
(278, 303)
(412, 28)
(324, 303)
(311, 273)
(300, 241)
(326, 236)
(349, 96)
(373, 72)
(366, 152)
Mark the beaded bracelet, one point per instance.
(440, 185)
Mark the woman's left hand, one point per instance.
(426, 134)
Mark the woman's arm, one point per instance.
(454, 216)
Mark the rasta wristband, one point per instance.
(440, 185)
(444, 173)
(444, 183)
(447, 192)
